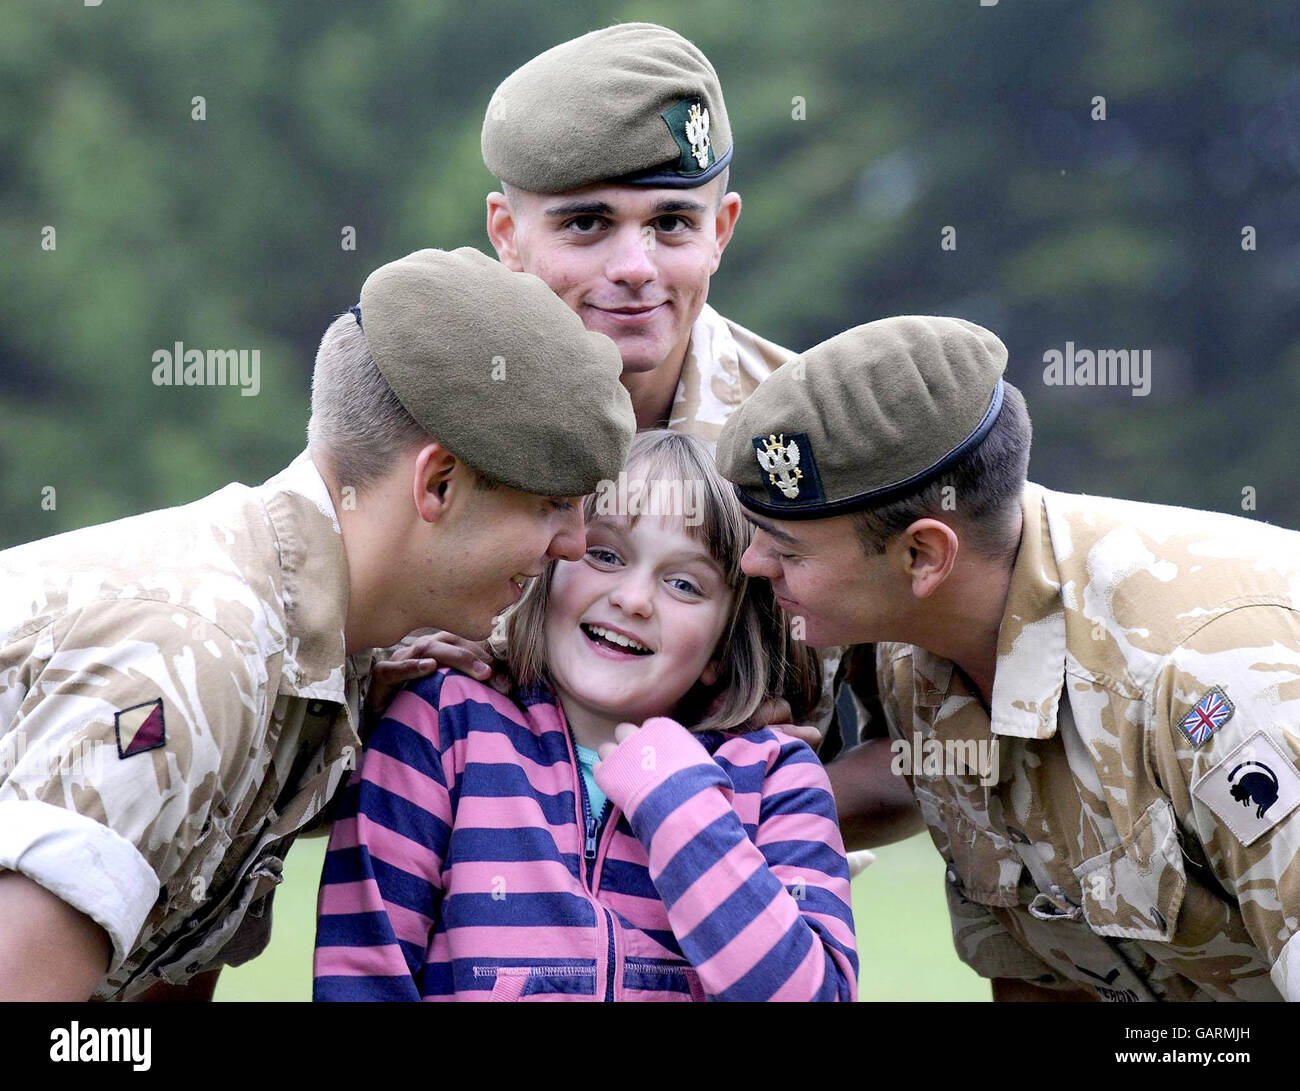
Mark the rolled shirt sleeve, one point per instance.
(120, 763)
(81, 862)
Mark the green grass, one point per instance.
(905, 947)
(903, 937)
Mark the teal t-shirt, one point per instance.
(586, 759)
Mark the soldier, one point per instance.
(613, 152)
(179, 691)
(1094, 702)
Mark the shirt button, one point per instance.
(951, 875)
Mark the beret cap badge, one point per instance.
(697, 132)
(780, 461)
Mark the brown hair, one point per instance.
(759, 659)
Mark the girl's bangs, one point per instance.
(679, 466)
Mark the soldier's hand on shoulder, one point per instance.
(775, 712)
(422, 656)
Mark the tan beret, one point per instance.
(499, 370)
(868, 416)
(635, 104)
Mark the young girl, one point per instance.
(542, 846)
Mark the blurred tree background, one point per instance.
(863, 129)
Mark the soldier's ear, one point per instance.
(435, 480)
(927, 551)
(502, 229)
(724, 223)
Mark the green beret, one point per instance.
(635, 104)
(872, 414)
(494, 366)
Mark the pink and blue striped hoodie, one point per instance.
(465, 865)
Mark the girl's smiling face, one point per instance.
(635, 624)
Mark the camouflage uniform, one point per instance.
(175, 705)
(1119, 845)
(724, 365)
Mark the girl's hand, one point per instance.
(622, 733)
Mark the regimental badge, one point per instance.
(688, 123)
(789, 468)
(697, 132)
(1211, 712)
(140, 728)
(1252, 789)
(780, 461)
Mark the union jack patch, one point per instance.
(1211, 712)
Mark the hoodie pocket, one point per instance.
(524, 982)
(654, 979)
(510, 982)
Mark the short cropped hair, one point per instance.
(725, 175)
(357, 423)
(759, 659)
(980, 492)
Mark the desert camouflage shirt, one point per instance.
(175, 705)
(724, 365)
(1137, 833)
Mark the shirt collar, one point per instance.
(1030, 673)
(709, 387)
(711, 343)
(314, 574)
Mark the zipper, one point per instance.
(609, 977)
(593, 863)
(590, 850)
(594, 826)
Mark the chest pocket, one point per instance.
(1134, 891)
(983, 866)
